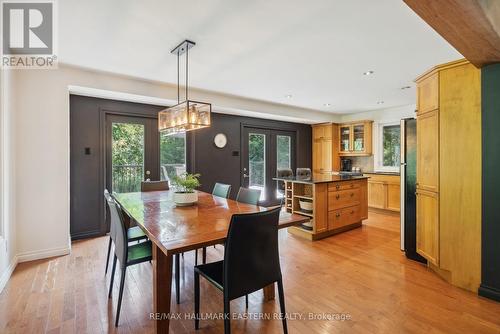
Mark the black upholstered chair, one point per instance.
(251, 262)
(133, 233)
(126, 254)
(221, 190)
(249, 196)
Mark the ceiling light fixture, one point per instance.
(368, 72)
(327, 104)
(288, 96)
(405, 87)
(187, 115)
(380, 102)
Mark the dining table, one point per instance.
(176, 229)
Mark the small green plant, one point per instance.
(186, 183)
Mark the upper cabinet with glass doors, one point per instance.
(355, 139)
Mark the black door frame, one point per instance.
(271, 133)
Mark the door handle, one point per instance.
(246, 175)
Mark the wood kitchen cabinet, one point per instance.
(384, 192)
(355, 139)
(449, 172)
(325, 155)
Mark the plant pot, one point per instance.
(185, 198)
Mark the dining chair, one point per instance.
(147, 186)
(221, 190)
(154, 186)
(249, 196)
(251, 262)
(134, 233)
(127, 255)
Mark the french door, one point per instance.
(132, 152)
(264, 151)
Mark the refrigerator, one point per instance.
(408, 174)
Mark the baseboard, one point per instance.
(4, 278)
(37, 255)
(489, 292)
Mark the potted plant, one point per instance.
(185, 184)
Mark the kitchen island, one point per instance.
(334, 203)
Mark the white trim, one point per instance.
(378, 141)
(7, 273)
(43, 254)
(128, 97)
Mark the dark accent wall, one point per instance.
(490, 280)
(221, 165)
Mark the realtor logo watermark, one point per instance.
(28, 34)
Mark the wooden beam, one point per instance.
(471, 26)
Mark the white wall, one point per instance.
(42, 145)
(8, 258)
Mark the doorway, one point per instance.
(264, 151)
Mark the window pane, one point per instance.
(257, 162)
(391, 146)
(172, 155)
(127, 152)
(283, 158)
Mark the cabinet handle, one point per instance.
(352, 194)
(337, 187)
(337, 215)
(352, 185)
(337, 197)
(352, 212)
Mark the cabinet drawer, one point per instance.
(342, 199)
(339, 186)
(343, 217)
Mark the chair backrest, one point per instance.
(249, 196)
(107, 196)
(120, 236)
(221, 190)
(284, 172)
(154, 186)
(251, 254)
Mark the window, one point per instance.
(172, 155)
(388, 153)
(283, 158)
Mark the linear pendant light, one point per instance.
(187, 115)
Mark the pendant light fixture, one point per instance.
(187, 115)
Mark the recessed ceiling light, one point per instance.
(327, 104)
(380, 102)
(288, 96)
(405, 87)
(368, 73)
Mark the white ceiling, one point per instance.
(315, 50)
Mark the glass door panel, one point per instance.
(127, 156)
(345, 136)
(283, 159)
(257, 163)
(172, 155)
(359, 138)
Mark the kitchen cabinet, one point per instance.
(355, 139)
(384, 191)
(449, 172)
(325, 154)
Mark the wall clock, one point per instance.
(220, 140)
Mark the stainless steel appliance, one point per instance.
(408, 188)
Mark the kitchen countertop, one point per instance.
(382, 173)
(322, 179)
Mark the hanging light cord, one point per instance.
(187, 61)
(178, 84)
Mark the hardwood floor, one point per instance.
(361, 274)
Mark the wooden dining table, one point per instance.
(175, 230)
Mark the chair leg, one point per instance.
(107, 257)
(282, 305)
(196, 257)
(112, 277)
(204, 255)
(196, 300)
(177, 279)
(227, 316)
(246, 302)
(122, 283)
